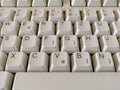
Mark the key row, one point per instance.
(80, 3)
(95, 3)
(79, 29)
(68, 43)
(59, 62)
(56, 15)
(29, 3)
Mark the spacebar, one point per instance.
(67, 81)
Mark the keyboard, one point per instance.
(59, 44)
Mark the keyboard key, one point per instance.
(118, 3)
(38, 62)
(54, 3)
(73, 15)
(59, 62)
(106, 15)
(6, 15)
(117, 14)
(79, 3)
(89, 15)
(116, 58)
(89, 43)
(9, 3)
(38, 81)
(6, 80)
(10, 28)
(82, 28)
(69, 44)
(81, 62)
(30, 43)
(100, 28)
(38, 15)
(16, 62)
(50, 43)
(46, 28)
(22, 15)
(22, 3)
(63, 30)
(115, 28)
(109, 3)
(39, 3)
(3, 59)
(28, 28)
(55, 15)
(94, 3)
(103, 62)
(107, 45)
(10, 43)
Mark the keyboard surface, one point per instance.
(59, 44)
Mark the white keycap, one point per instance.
(3, 59)
(117, 14)
(116, 58)
(89, 43)
(63, 30)
(109, 43)
(106, 15)
(73, 15)
(38, 62)
(69, 81)
(10, 43)
(69, 44)
(89, 15)
(10, 28)
(8, 3)
(55, 15)
(16, 62)
(6, 15)
(80, 3)
(38, 15)
(94, 3)
(28, 28)
(6, 80)
(109, 3)
(30, 43)
(46, 28)
(81, 62)
(59, 62)
(82, 28)
(118, 3)
(39, 3)
(103, 62)
(22, 15)
(100, 28)
(50, 43)
(115, 28)
(22, 3)
(54, 3)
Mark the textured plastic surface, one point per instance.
(67, 81)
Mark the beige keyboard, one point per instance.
(59, 45)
